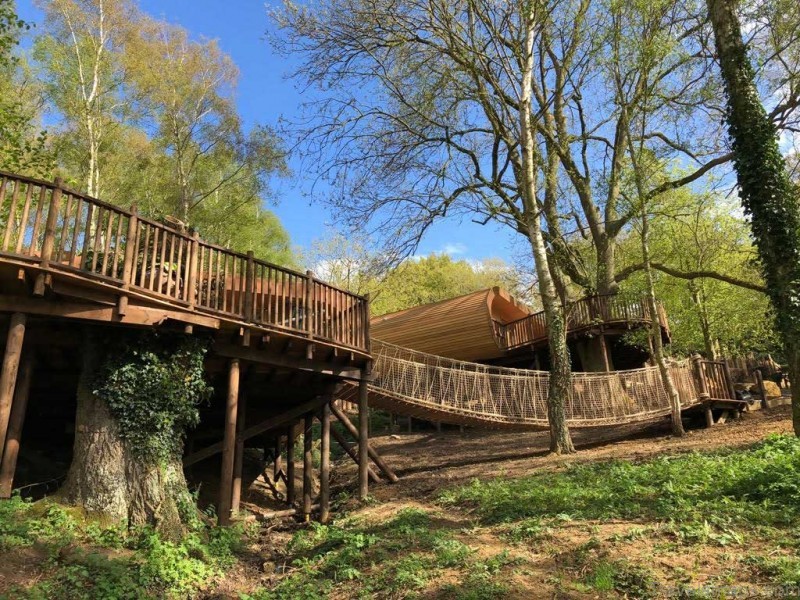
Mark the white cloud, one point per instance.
(454, 248)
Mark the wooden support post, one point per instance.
(728, 379)
(290, 464)
(700, 377)
(410, 424)
(277, 467)
(228, 445)
(128, 270)
(376, 458)
(249, 286)
(238, 461)
(308, 309)
(761, 389)
(49, 236)
(11, 452)
(325, 466)
(308, 465)
(353, 454)
(193, 282)
(709, 415)
(363, 435)
(8, 375)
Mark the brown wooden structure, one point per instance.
(283, 338)
(490, 326)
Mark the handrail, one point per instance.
(62, 229)
(583, 313)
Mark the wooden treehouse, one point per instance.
(490, 327)
(284, 341)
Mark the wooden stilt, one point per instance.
(352, 454)
(238, 461)
(290, 465)
(325, 465)
(228, 445)
(308, 465)
(370, 452)
(8, 376)
(363, 436)
(709, 416)
(410, 424)
(277, 468)
(16, 423)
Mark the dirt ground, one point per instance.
(429, 461)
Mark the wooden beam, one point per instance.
(290, 464)
(134, 315)
(254, 430)
(308, 464)
(238, 460)
(353, 454)
(325, 464)
(370, 451)
(8, 375)
(11, 452)
(289, 362)
(228, 445)
(363, 438)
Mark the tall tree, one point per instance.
(186, 89)
(766, 192)
(429, 112)
(22, 141)
(80, 52)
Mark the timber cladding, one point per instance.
(463, 328)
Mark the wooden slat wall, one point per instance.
(461, 328)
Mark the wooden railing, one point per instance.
(581, 314)
(714, 379)
(60, 229)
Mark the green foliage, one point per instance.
(758, 487)
(153, 384)
(766, 193)
(409, 549)
(90, 560)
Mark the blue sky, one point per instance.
(265, 95)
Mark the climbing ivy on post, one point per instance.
(766, 192)
(153, 384)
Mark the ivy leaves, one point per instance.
(153, 383)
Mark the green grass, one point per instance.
(83, 559)
(758, 486)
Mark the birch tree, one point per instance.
(80, 53)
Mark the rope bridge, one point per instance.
(435, 388)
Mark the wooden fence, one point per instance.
(60, 229)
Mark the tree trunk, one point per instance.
(106, 478)
(560, 371)
(658, 346)
(765, 190)
(698, 298)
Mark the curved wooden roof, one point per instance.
(463, 328)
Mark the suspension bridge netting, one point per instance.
(441, 389)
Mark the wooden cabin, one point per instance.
(490, 326)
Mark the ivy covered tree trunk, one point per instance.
(109, 474)
(766, 192)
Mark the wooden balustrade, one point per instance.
(60, 229)
(581, 314)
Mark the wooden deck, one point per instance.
(285, 338)
(56, 241)
(588, 313)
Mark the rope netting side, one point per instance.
(507, 395)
